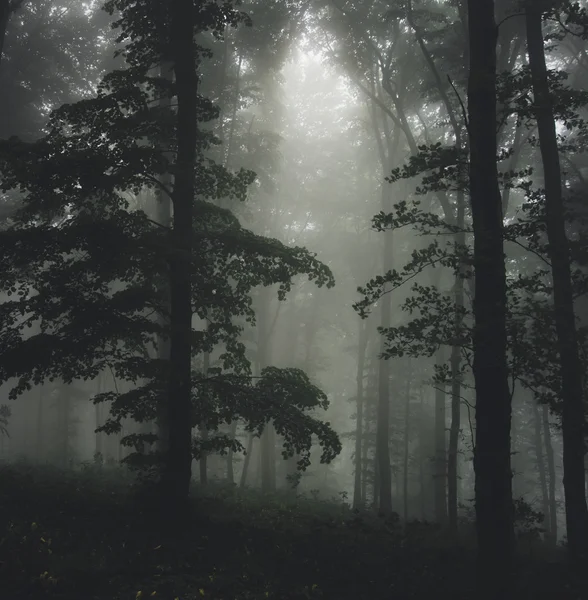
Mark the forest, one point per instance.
(293, 299)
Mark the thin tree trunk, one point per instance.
(64, 405)
(541, 467)
(361, 350)
(40, 433)
(202, 427)
(455, 363)
(406, 439)
(99, 436)
(440, 477)
(551, 470)
(246, 462)
(230, 466)
(376, 485)
(364, 462)
(384, 476)
(177, 474)
(267, 445)
(494, 506)
(573, 414)
(203, 460)
(422, 485)
(383, 420)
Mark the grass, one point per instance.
(92, 535)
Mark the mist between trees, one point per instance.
(316, 251)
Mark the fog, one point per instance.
(353, 117)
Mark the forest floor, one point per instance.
(91, 536)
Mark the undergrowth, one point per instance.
(95, 535)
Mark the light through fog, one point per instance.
(287, 285)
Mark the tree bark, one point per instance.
(361, 350)
(455, 364)
(267, 441)
(64, 405)
(406, 439)
(422, 485)
(573, 415)
(440, 477)
(246, 462)
(383, 419)
(40, 424)
(203, 429)
(365, 457)
(541, 467)
(99, 436)
(230, 466)
(177, 473)
(164, 217)
(493, 485)
(551, 471)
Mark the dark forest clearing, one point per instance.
(91, 535)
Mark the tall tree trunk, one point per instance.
(99, 436)
(361, 350)
(203, 460)
(203, 429)
(541, 467)
(422, 485)
(383, 420)
(40, 424)
(551, 470)
(573, 415)
(364, 461)
(267, 442)
(376, 484)
(230, 465)
(440, 463)
(387, 153)
(452, 454)
(455, 361)
(178, 467)
(494, 506)
(64, 405)
(267, 455)
(247, 461)
(164, 217)
(455, 364)
(406, 439)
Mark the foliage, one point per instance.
(432, 313)
(86, 281)
(66, 534)
(528, 522)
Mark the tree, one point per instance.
(494, 507)
(177, 472)
(571, 372)
(95, 155)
